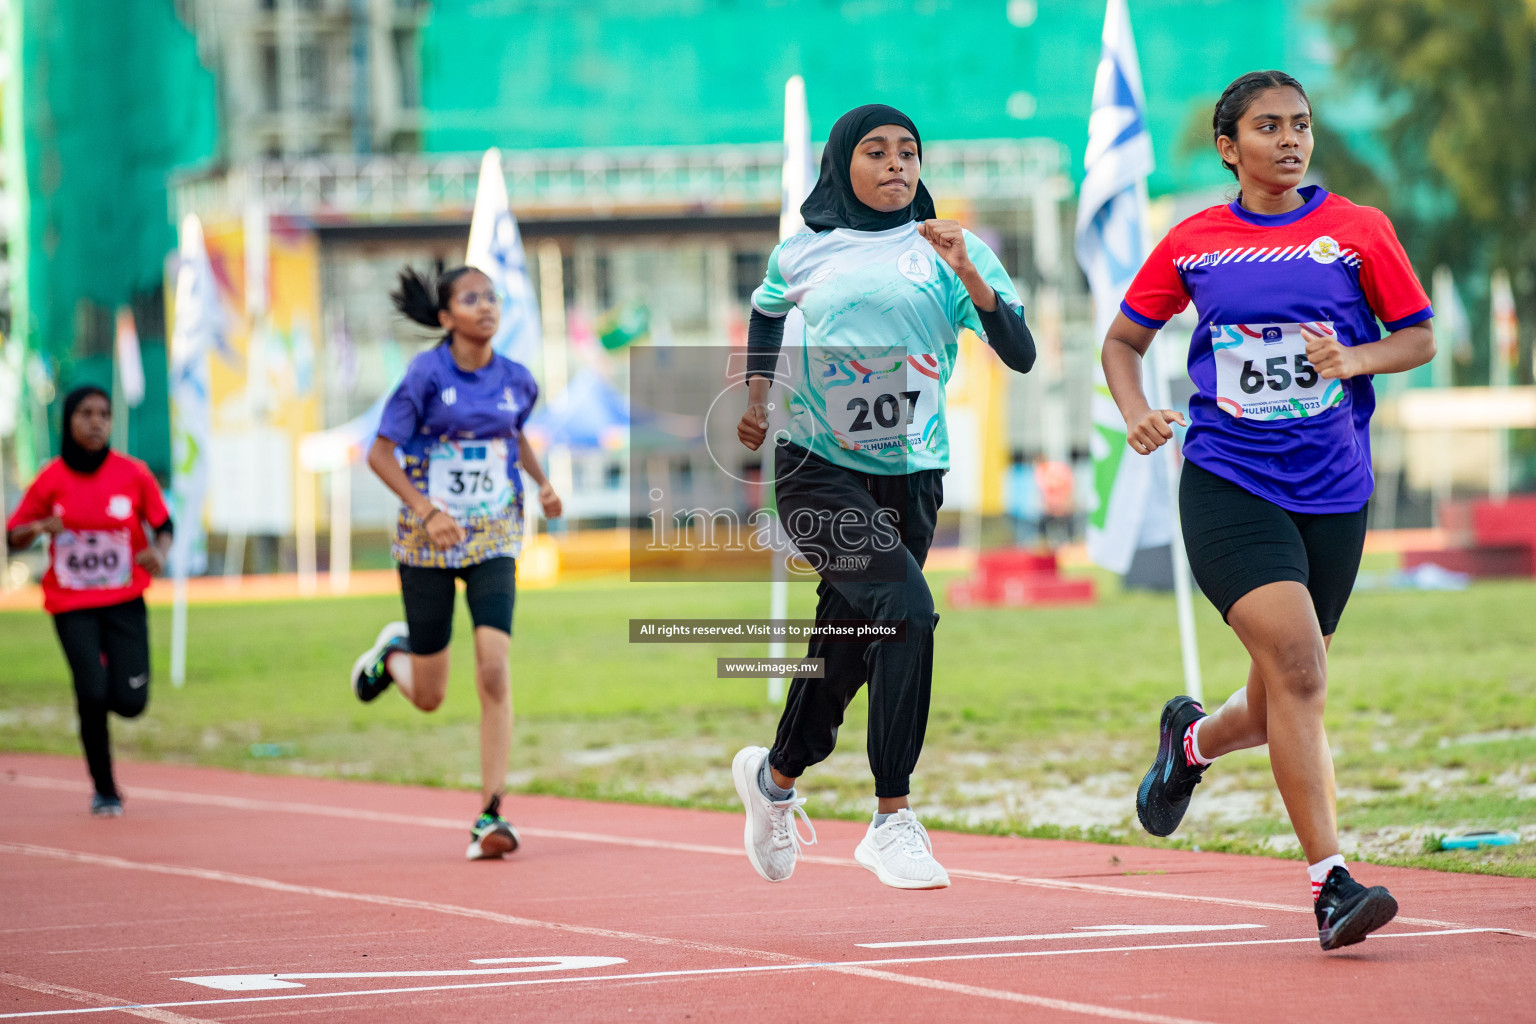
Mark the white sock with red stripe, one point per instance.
(1192, 755)
(1319, 872)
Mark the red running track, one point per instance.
(230, 897)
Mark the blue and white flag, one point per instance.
(496, 248)
(197, 330)
(1112, 240)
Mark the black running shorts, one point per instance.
(1238, 542)
(490, 588)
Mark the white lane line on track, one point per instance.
(392, 818)
(861, 968)
(98, 1001)
(272, 885)
(1092, 931)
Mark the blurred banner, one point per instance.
(1111, 245)
(130, 364)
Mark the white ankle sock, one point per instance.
(1319, 872)
(1192, 744)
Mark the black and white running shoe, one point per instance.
(1165, 791)
(491, 837)
(1347, 911)
(370, 677)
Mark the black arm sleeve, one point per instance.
(765, 336)
(165, 529)
(1008, 335)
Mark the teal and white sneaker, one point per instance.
(491, 837)
(106, 806)
(370, 677)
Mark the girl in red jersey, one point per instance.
(94, 504)
(1289, 282)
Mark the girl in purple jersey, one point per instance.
(456, 423)
(1289, 282)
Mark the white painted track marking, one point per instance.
(1087, 931)
(251, 982)
(864, 968)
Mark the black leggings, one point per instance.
(108, 654)
(883, 526)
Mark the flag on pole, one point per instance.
(1453, 328)
(796, 179)
(1506, 331)
(130, 363)
(198, 327)
(1112, 241)
(496, 248)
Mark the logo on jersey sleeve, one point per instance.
(1324, 249)
(120, 506)
(914, 266)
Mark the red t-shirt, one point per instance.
(91, 564)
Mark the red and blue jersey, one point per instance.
(1261, 417)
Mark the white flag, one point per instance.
(130, 363)
(1112, 242)
(496, 248)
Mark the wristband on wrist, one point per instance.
(428, 517)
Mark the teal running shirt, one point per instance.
(883, 313)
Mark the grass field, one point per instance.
(1042, 724)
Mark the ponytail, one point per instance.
(420, 298)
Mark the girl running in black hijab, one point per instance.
(885, 289)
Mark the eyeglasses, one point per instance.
(491, 296)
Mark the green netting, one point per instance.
(544, 73)
(112, 100)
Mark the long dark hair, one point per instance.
(420, 297)
(1239, 96)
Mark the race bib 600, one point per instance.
(93, 559)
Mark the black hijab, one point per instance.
(832, 203)
(74, 454)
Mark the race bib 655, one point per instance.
(1262, 372)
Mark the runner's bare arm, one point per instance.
(1401, 350)
(1146, 428)
(548, 499)
(443, 529)
(26, 533)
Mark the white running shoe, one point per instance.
(369, 676)
(772, 835)
(900, 853)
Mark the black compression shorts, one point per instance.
(1238, 542)
(490, 588)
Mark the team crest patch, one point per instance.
(450, 395)
(1323, 249)
(914, 265)
(120, 506)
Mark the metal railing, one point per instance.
(586, 182)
